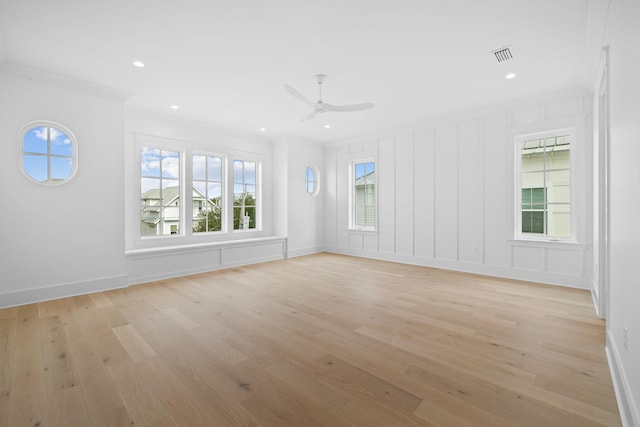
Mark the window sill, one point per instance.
(186, 247)
(362, 230)
(545, 242)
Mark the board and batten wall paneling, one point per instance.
(498, 220)
(424, 190)
(446, 195)
(404, 194)
(470, 192)
(329, 187)
(385, 180)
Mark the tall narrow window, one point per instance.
(160, 212)
(244, 194)
(363, 195)
(49, 153)
(545, 185)
(207, 193)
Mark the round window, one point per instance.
(48, 153)
(311, 181)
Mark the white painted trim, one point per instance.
(63, 290)
(203, 246)
(59, 80)
(188, 272)
(558, 279)
(216, 251)
(310, 250)
(627, 406)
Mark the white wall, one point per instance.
(446, 193)
(61, 240)
(623, 38)
(300, 215)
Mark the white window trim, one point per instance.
(224, 165)
(316, 181)
(74, 150)
(352, 220)
(258, 162)
(185, 222)
(186, 237)
(573, 218)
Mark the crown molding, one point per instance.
(42, 76)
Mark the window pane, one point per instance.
(150, 162)
(364, 195)
(310, 187)
(250, 172)
(199, 167)
(35, 141)
(558, 187)
(238, 171)
(533, 222)
(60, 143)
(215, 169)
(36, 167)
(170, 192)
(559, 159)
(61, 168)
(214, 191)
(170, 164)
(559, 220)
(533, 180)
(250, 190)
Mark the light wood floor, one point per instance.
(323, 340)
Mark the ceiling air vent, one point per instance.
(503, 54)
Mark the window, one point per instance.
(49, 153)
(544, 162)
(160, 212)
(244, 195)
(207, 193)
(363, 198)
(311, 186)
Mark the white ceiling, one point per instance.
(225, 62)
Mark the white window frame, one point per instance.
(183, 221)
(74, 151)
(223, 183)
(352, 195)
(230, 186)
(315, 181)
(573, 205)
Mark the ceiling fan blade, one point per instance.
(298, 95)
(354, 107)
(309, 117)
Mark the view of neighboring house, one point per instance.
(160, 210)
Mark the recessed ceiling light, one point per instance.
(175, 107)
(327, 126)
(510, 76)
(263, 129)
(138, 63)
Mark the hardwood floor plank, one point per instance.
(104, 405)
(27, 405)
(135, 345)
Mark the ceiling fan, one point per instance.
(320, 106)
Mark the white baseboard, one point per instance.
(29, 296)
(626, 404)
(304, 251)
(468, 267)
